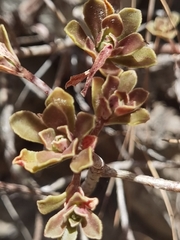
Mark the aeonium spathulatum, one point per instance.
(77, 212)
(113, 42)
(63, 134)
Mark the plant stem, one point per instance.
(35, 80)
(99, 124)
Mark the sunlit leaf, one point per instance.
(144, 57)
(82, 161)
(127, 82)
(65, 102)
(139, 116)
(27, 125)
(131, 19)
(51, 203)
(77, 34)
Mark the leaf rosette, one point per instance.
(63, 134)
(77, 211)
(115, 101)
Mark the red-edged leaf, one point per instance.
(82, 161)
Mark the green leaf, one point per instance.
(36, 161)
(69, 234)
(79, 37)
(65, 102)
(5, 39)
(144, 57)
(51, 203)
(27, 125)
(82, 161)
(131, 19)
(127, 82)
(139, 116)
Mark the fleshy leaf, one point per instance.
(5, 39)
(65, 102)
(77, 34)
(9, 62)
(69, 234)
(110, 85)
(65, 131)
(103, 109)
(55, 227)
(78, 198)
(36, 161)
(139, 116)
(128, 45)
(138, 96)
(113, 24)
(92, 226)
(6, 48)
(131, 19)
(109, 68)
(47, 136)
(144, 57)
(84, 123)
(51, 203)
(123, 110)
(27, 125)
(94, 12)
(74, 220)
(128, 80)
(53, 116)
(82, 161)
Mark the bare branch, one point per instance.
(158, 183)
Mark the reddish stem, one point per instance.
(35, 80)
(98, 127)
